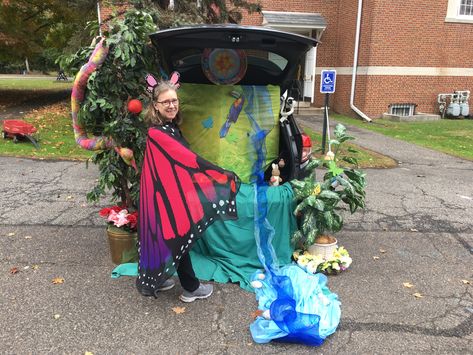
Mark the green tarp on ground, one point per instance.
(227, 250)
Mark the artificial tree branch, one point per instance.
(125, 192)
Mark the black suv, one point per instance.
(272, 58)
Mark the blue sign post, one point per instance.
(327, 81)
(327, 86)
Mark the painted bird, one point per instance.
(233, 114)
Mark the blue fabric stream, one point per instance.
(301, 312)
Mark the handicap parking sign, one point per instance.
(327, 81)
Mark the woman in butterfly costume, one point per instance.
(181, 194)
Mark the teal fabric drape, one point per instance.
(227, 250)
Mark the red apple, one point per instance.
(135, 106)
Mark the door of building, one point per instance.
(309, 74)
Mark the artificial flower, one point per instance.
(104, 212)
(325, 266)
(120, 217)
(339, 261)
(337, 254)
(303, 260)
(312, 267)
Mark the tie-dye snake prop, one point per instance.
(78, 92)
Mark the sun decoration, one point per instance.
(223, 65)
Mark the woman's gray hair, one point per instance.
(153, 117)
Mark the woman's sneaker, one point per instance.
(204, 291)
(148, 291)
(167, 285)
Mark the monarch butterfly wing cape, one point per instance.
(181, 194)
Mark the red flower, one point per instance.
(133, 220)
(117, 208)
(104, 212)
(119, 217)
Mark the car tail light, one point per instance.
(306, 147)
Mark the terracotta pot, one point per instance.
(324, 246)
(123, 245)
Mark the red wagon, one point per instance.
(18, 129)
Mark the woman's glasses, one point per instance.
(167, 103)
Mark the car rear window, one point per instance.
(263, 67)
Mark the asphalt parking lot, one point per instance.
(416, 229)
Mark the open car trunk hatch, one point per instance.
(272, 56)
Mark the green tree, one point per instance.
(40, 29)
(104, 108)
(120, 78)
(196, 11)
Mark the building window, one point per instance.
(402, 109)
(466, 8)
(460, 11)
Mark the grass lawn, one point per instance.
(55, 136)
(454, 137)
(34, 84)
(366, 158)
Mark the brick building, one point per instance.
(408, 51)
(405, 51)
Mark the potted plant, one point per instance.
(319, 202)
(122, 233)
(338, 261)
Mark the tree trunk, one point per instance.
(125, 194)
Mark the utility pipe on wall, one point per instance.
(99, 18)
(355, 63)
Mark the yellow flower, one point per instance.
(325, 265)
(337, 254)
(303, 260)
(316, 190)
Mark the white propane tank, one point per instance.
(454, 107)
(464, 109)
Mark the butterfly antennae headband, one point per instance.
(152, 82)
